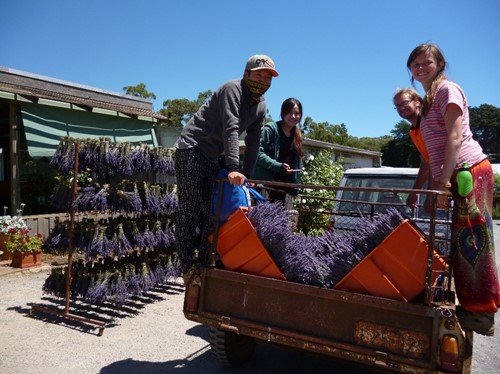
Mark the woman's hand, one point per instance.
(411, 200)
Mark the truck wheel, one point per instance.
(230, 348)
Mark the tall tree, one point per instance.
(485, 125)
(139, 91)
(326, 132)
(400, 151)
(179, 111)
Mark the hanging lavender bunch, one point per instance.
(83, 200)
(160, 236)
(96, 246)
(145, 278)
(64, 157)
(100, 200)
(149, 238)
(152, 197)
(55, 284)
(121, 244)
(135, 237)
(141, 160)
(58, 238)
(118, 288)
(174, 269)
(98, 291)
(85, 154)
(124, 159)
(169, 203)
(112, 158)
(128, 202)
(162, 162)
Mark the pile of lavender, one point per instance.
(124, 230)
(318, 260)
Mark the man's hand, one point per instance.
(236, 178)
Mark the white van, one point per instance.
(351, 205)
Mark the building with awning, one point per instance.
(37, 111)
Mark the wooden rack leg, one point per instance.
(65, 314)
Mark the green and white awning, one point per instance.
(45, 125)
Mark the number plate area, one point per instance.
(405, 342)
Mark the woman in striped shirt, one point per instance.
(448, 139)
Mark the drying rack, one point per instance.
(66, 313)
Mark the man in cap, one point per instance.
(214, 130)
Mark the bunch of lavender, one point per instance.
(125, 200)
(141, 160)
(64, 156)
(162, 162)
(169, 203)
(153, 199)
(124, 160)
(90, 200)
(272, 225)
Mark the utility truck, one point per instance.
(371, 319)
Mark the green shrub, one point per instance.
(315, 205)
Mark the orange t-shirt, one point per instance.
(418, 141)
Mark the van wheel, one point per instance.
(230, 348)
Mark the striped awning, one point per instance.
(45, 126)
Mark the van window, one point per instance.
(350, 200)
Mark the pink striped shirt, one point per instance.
(434, 130)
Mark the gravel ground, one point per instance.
(135, 334)
(147, 335)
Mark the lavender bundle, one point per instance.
(169, 203)
(272, 226)
(64, 156)
(140, 158)
(124, 160)
(153, 199)
(162, 162)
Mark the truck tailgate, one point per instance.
(372, 330)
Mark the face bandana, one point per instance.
(257, 89)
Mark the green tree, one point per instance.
(371, 144)
(485, 125)
(326, 132)
(179, 111)
(139, 91)
(400, 151)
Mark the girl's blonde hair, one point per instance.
(436, 53)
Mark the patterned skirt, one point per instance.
(474, 267)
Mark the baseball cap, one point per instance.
(259, 62)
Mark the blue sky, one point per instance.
(342, 59)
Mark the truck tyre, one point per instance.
(229, 348)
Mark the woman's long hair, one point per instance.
(435, 52)
(298, 138)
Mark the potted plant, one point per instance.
(26, 249)
(8, 226)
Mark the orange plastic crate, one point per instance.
(241, 250)
(396, 269)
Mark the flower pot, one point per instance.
(25, 260)
(6, 255)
